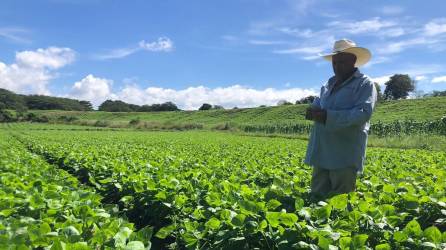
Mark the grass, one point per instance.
(292, 113)
(430, 142)
(415, 109)
(424, 109)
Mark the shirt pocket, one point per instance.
(345, 98)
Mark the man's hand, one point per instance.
(316, 114)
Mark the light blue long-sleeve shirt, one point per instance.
(342, 140)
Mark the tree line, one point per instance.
(21, 103)
(120, 106)
(398, 86)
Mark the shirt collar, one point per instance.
(356, 74)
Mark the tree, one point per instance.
(114, 106)
(284, 102)
(306, 100)
(218, 107)
(398, 87)
(169, 106)
(156, 107)
(50, 102)
(87, 105)
(10, 100)
(6, 116)
(133, 107)
(436, 93)
(20, 103)
(205, 106)
(145, 108)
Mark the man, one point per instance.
(341, 114)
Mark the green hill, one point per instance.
(431, 108)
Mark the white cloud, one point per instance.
(357, 27)
(439, 79)
(52, 58)
(310, 50)
(396, 47)
(266, 42)
(24, 80)
(421, 69)
(301, 50)
(429, 36)
(381, 80)
(97, 90)
(93, 89)
(193, 97)
(435, 27)
(375, 26)
(117, 53)
(312, 42)
(420, 78)
(304, 33)
(311, 58)
(393, 32)
(377, 60)
(163, 44)
(14, 34)
(32, 70)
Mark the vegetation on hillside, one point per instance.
(10, 100)
(423, 109)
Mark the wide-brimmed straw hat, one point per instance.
(363, 55)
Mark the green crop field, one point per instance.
(120, 189)
(43, 206)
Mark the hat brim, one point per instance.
(363, 55)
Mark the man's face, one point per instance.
(343, 64)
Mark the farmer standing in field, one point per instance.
(341, 114)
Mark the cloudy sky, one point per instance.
(241, 53)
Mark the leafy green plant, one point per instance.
(45, 207)
(203, 190)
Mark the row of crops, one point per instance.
(398, 127)
(42, 206)
(203, 190)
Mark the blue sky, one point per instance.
(241, 53)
